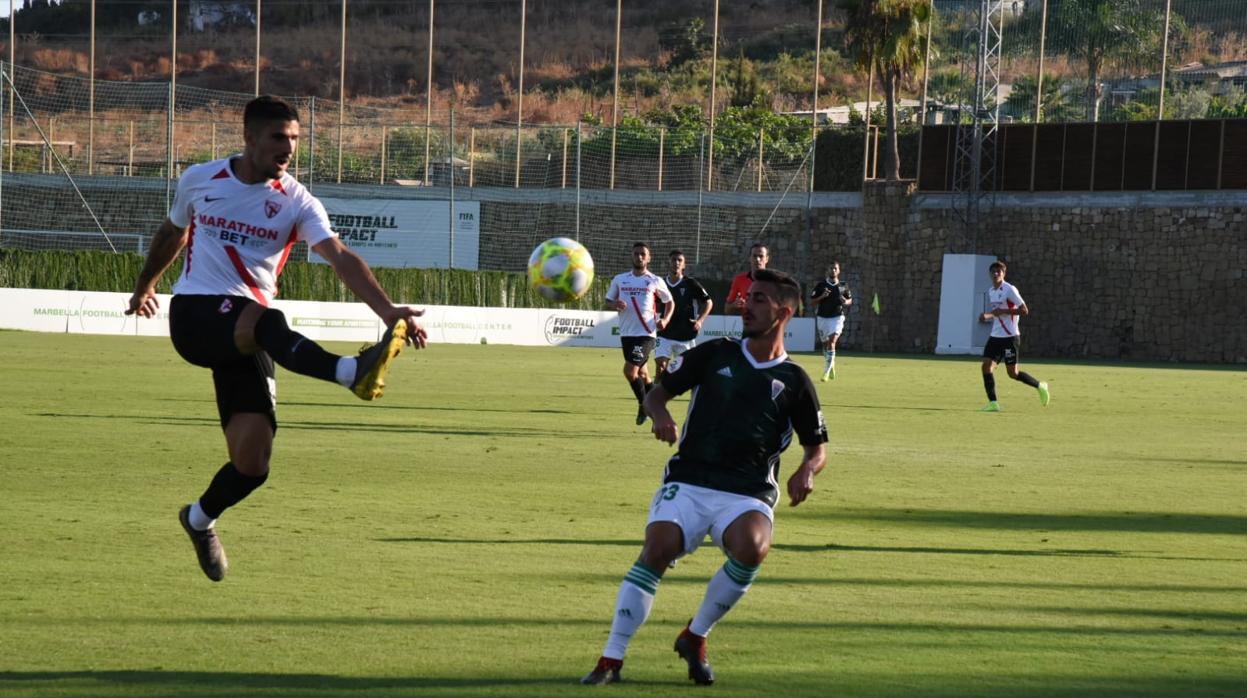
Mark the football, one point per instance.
(560, 269)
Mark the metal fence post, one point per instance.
(169, 151)
(450, 263)
(578, 139)
(311, 143)
(1160, 106)
(1043, 40)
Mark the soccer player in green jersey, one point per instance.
(747, 401)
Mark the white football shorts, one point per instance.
(700, 511)
(671, 348)
(829, 326)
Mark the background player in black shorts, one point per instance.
(237, 219)
(1005, 311)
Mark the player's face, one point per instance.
(640, 258)
(833, 271)
(998, 277)
(763, 311)
(270, 147)
(758, 257)
(677, 265)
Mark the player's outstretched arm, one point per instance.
(166, 244)
(355, 273)
(656, 405)
(801, 484)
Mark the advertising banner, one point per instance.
(407, 234)
(103, 313)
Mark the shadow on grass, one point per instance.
(379, 428)
(239, 683)
(801, 548)
(1004, 683)
(1152, 522)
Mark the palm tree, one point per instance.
(888, 34)
(1055, 107)
(1106, 31)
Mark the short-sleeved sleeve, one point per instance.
(313, 221)
(1015, 296)
(612, 292)
(661, 290)
(182, 210)
(807, 415)
(818, 288)
(699, 292)
(687, 369)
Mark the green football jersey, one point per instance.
(741, 416)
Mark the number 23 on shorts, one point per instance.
(665, 493)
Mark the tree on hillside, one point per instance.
(889, 34)
(1103, 32)
(1056, 104)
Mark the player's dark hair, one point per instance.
(998, 265)
(787, 288)
(675, 253)
(267, 108)
(756, 245)
(639, 244)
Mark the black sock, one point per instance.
(293, 351)
(228, 488)
(1027, 379)
(989, 382)
(638, 388)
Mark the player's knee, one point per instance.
(751, 555)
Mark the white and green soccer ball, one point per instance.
(560, 269)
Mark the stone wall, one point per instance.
(1155, 276)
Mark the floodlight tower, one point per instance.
(974, 164)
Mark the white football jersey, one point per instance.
(1006, 296)
(239, 235)
(641, 294)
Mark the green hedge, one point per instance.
(103, 271)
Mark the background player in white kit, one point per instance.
(1005, 343)
(238, 218)
(635, 295)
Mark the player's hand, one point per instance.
(416, 335)
(986, 317)
(665, 430)
(800, 485)
(661, 324)
(620, 305)
(143, 303)
(697, 325)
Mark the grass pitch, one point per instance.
(466, 534)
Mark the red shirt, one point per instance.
(739, 290)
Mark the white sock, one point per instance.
(345, 372)
(726, 587)
(632, 606)
(199, 520)
(827, 361)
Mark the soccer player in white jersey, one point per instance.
(237, 218)
(1005, 312)
(635, 295)
(749, 402)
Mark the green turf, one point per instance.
(466, 534)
